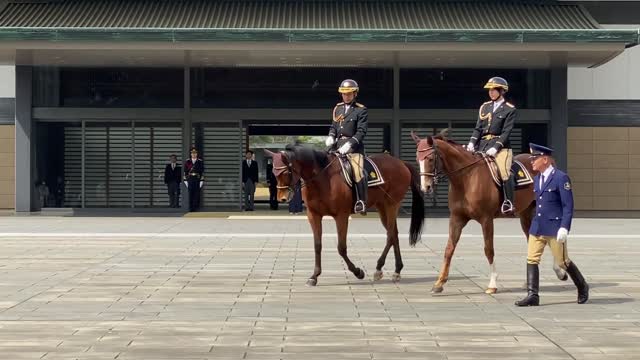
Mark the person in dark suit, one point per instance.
(172, 177)
(59, 192)
(273, 186)
(194, 179)
(551, 225)
(295, 205)
(249, 179)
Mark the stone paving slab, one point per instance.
(191, 288)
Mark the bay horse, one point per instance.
(325, 192)
(473, 195)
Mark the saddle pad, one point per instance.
(522, 175)
(374, 176)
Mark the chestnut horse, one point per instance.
(326, 192)
(473, 195)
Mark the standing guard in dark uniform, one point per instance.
(493, 128)
(551, 225)
(347, 133)
(194, 179)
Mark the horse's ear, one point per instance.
(415, 137)
(269, 152)
(444, 133)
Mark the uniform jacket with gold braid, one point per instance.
(350, 126)
(493, 128)
(191, 168)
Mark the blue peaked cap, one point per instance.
(540, 150)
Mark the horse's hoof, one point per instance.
(378, 275)
(491, 291)
(395, 277)
(359, 274)
(312, 282)
(436, 289)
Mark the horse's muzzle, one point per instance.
(428, 189)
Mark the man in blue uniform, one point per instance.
(551, 225)
(347, 132)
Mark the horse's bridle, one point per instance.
(433, 149)
(438, 172)
(294, 176)
(289, 170)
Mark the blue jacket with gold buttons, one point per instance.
(554, 204)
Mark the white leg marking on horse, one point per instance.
(494, 276)
(422, 171)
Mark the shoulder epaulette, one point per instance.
(359, 105)
(509, 105)
(338, 104)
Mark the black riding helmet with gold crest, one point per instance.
(497, 82)
(348, 86)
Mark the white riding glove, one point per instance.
(201, 183)
(470, 147)
(186, 184)
(562, 235)
(330, 141)
(344, 148)
(492, 152)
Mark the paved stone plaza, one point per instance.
(211, 288)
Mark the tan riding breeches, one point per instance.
(357, 163)
(536, 247)
(504, 158)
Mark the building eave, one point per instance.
(624, 37)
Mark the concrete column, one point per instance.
(186, 125)
(395, 117)
(24, 125)
(559, 110)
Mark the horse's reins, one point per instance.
(289, 168)
(438, 161)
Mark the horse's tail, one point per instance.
(417, 206)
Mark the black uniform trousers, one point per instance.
(174, 194)
(194, 192)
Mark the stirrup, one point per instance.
(360, 207)
(507, 207)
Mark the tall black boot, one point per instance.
(361, 197)
(508, 188)
(533, 285)
(581, 283)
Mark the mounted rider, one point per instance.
(347, 132)
(496, 119)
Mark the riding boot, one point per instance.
(581, 283)
(361, 197)
(508, 188)
(533, 285)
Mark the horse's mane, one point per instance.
(456, 146)
(306, 154)
(440, 137)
